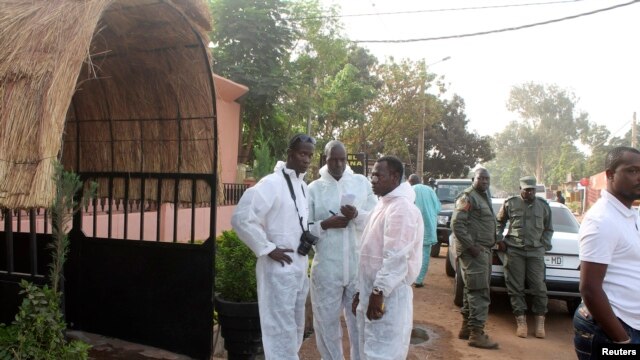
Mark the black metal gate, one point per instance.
(133, 285)
(23, 256)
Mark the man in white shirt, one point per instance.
(390, 260)
(610, 261)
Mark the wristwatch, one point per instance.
(377, 291)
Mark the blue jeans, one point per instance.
(588, 335)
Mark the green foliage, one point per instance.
(575, 207)
(38, 329)
(264, 161)
(253, 40)
(304, 73)
(401, 106)
(67, 185)
(451, 150)
(543, 142)
(235, 278)
(8, 338)
(549, 118)
(37, 333)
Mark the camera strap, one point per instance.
(293, 196)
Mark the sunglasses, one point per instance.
(302, 138)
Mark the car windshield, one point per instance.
(562, 219)
(449, 192)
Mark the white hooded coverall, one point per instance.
(390, 259)
(264, 219)
(334, 267)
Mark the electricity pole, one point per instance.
(633, 131)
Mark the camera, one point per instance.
(307, 240)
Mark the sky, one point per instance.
(597, 57)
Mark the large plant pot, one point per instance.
(240, 328)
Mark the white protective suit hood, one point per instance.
(399, 242)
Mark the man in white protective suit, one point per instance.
(390, 260)
(339, 204)
(269, 218)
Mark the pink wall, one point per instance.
(223, 218)
(228, 112)
(201, 228)
(229, 130)
(227, 92)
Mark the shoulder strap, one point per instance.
(293, 196)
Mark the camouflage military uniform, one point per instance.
(529, 236)
(474, 224)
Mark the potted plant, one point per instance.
(236, 300)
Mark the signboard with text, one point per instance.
(357, 162)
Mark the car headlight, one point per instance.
(443, 219)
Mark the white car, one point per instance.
(562, 263)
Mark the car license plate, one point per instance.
(553, 260)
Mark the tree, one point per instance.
(332, 83)
(549, 119)
(252, 43)
(596, 137)
(552, 140)
(397, 113)
(452, 150)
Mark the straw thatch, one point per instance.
(106, 86)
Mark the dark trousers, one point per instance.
(588, 336)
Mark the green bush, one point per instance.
(264, 162)
(575, 207)
(38, 330)
(235, 264)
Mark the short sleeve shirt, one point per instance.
(610, 234)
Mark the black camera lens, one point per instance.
(307, 240)
(304, 248)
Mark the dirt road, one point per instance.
(435, 311)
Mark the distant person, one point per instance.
(339, 205)
(429, 205)
(559, 197)
(432, 183)
(527, 240)
(474, 226)
(390, 259)
(610, 261)
(271, 218)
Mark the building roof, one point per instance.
(103, 86)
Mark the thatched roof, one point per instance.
(106, 86)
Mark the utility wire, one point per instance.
(500, 30)
(435, 10)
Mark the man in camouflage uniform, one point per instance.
(474, 227)
(529, 236)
